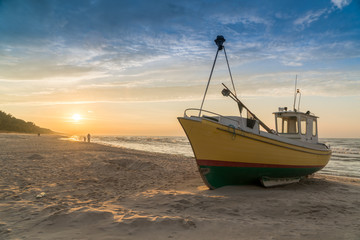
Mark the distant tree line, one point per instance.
(8, 123)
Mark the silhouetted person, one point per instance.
(88, 137)
(84, 139)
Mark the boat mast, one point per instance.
(220, 46)
(226, 91)
(219, 41)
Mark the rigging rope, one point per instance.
(207, 86)
(229, 71)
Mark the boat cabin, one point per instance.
(296, 125)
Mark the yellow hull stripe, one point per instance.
(276, 144)
(211, 141)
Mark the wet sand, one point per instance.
(55, 189)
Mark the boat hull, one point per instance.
(228, 156)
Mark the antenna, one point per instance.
(297, 91)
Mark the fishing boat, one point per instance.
(238, 150)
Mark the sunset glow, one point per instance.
(76, 117)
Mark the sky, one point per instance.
(132, 67)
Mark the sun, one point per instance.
(76, 117)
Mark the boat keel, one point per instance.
(274, 182)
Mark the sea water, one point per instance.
(345, 158)
(170, 145)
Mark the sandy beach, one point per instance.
(57, 189)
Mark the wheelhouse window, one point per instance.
(279, 125)
(303, 126)
(314, 128)
(287, 125)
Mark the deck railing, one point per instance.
(216, 114)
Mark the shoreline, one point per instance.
(92, 191)
(146, 148)
(338, 178)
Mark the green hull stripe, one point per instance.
(216, 176)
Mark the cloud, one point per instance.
(313, 16)
(138, 44)
(42, 70)
(341, 3)
(243, 19)
(309, 17)
(311, 83)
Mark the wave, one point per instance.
(346, 151)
